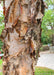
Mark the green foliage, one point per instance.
(1, 17)
(1, 21)
(1, 27)
(47, 24)
(1, 44)
(49, 2)
(48, 18)
(46, 36)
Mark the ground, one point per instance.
(46, 59)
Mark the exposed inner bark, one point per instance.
(21, 36)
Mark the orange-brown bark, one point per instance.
(22, 36)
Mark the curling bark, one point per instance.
(21, 35)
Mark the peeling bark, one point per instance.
(21, 36)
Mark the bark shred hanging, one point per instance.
(22, 36)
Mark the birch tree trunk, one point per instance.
(21, 35)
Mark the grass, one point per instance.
(0, 64)
(43, 71)
(38, 70)
(0, 73)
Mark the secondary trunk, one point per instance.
(21, 35)
(52, 39)
(52, 28)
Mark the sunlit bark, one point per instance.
(22, 35)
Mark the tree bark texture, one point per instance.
(21, 35)
(52, 39)
(52, 28)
